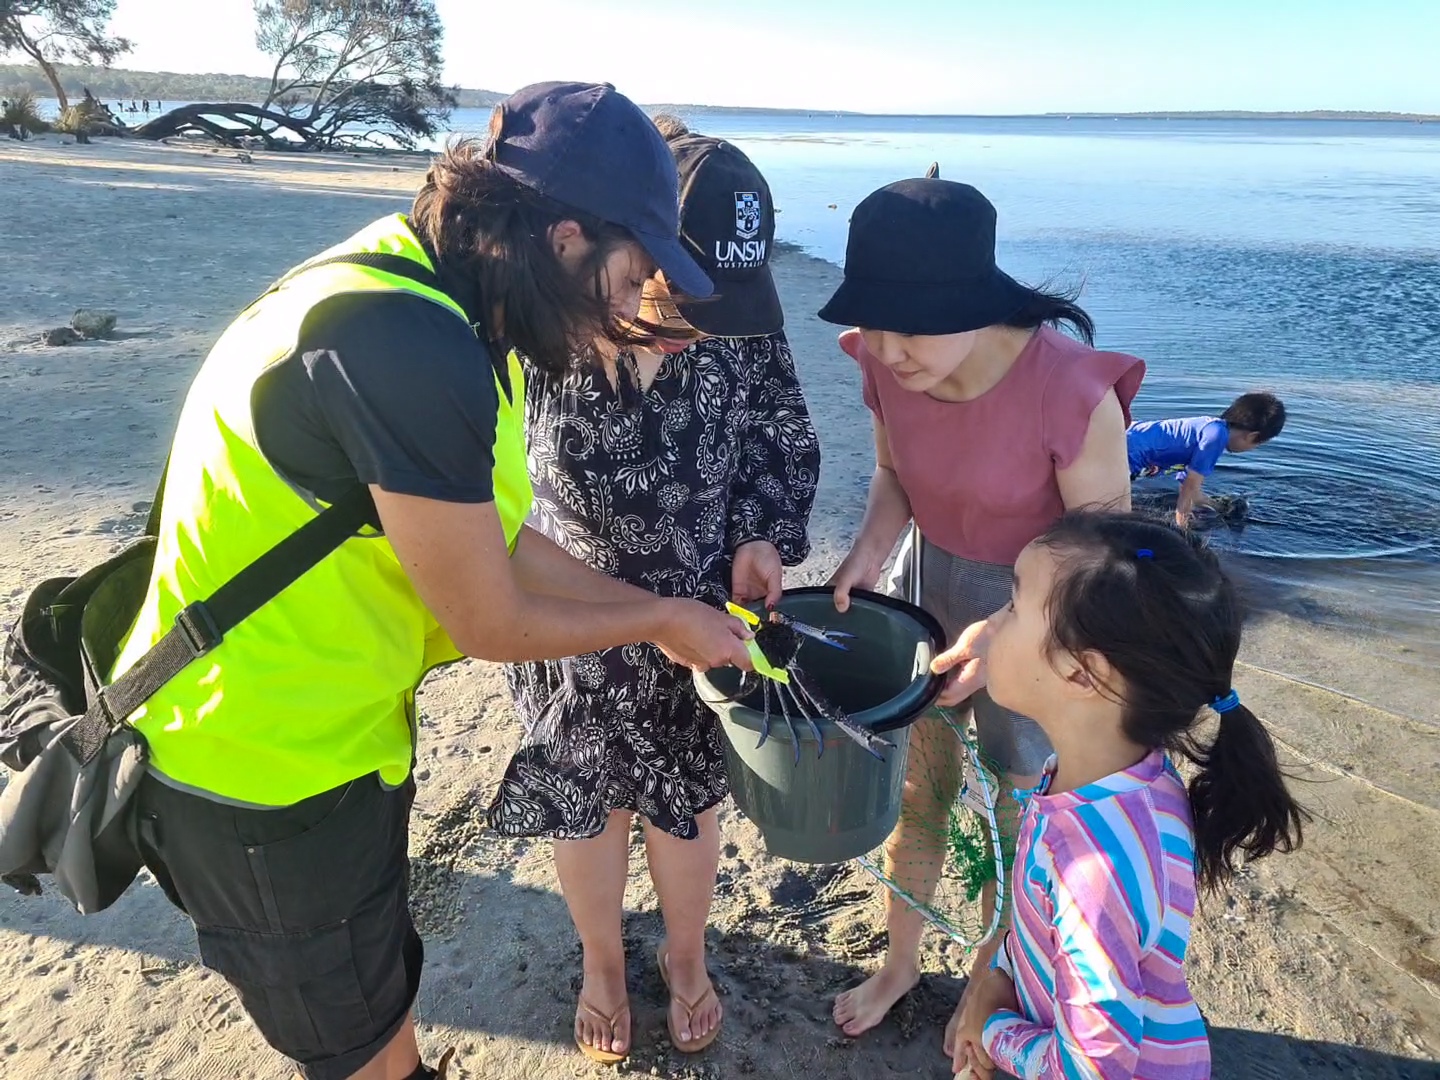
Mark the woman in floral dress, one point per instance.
(689, 469)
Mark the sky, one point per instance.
(913, 56)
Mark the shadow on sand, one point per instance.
(503, 962)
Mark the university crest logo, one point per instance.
(747, 214)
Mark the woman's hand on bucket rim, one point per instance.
(965, 663)
(859, 570)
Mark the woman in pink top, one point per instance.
(989, 424)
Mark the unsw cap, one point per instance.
(727, 223)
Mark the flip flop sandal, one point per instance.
(424, 1072)
(594, 1053)
(694, 1046)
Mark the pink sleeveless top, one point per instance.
(980, 475)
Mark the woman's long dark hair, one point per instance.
(1156, 605)
(489, 230)
(1047, 308)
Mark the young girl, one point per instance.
(989, 424)
(1120, 635)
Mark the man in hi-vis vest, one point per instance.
(277, 804)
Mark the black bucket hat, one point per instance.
(920, 259)
(589, 146)
(727, 224)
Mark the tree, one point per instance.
(346, 72)
(48, 31)
(346, 65)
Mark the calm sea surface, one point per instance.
(1301, 257)
(1297, 256)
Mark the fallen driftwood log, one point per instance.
(231, 123)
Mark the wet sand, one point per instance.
(1321, 965)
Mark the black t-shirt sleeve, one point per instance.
(389, 389)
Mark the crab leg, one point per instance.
(764, 716)
(866, 738)
(809, 717)
(815, 701)
(785, 712)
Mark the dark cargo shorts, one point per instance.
(302, 909)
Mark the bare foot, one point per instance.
(690, 982)
(860, 1008)
(602, 1016)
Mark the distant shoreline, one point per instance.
(1242, 114)
(1331, 115)
(125, 84)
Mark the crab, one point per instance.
(778, 640)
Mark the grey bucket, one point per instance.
(843, 803)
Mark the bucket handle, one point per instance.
(917, 552)
(917, 557)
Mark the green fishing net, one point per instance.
(950, 851)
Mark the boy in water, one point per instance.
(1193, 445)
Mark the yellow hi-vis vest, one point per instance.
(317, 687)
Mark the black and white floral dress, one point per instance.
(658, 488)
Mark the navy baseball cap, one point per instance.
(727, 223)
(588, 146)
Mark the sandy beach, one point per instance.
(1322, 965)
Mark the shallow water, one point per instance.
(1297, 256)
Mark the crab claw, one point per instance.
(834, 638)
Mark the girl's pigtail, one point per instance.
(1239, 800)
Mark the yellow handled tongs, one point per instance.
(758, 661)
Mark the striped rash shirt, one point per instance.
(1104, 895)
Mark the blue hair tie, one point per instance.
(1144, 553)
(1228, 703)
